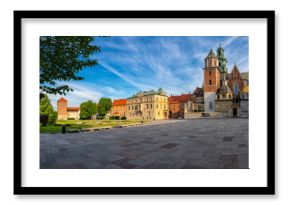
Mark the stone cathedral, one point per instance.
(225, 93)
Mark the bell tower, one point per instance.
(222, 63)
(211, 81)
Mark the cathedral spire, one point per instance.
(222, 59)
(211, 54)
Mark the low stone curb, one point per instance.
(128, 125)
(92, 129)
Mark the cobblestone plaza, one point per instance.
(168, 144)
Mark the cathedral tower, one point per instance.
(222, 63)
(211, 81)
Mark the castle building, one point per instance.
(119, 107)
(178, 105)
(195, 105)
(66, 113)
(148, 105)
(222, 91)
(223, 94)
(198, 100)
(173, 104)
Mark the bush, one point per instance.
(43, 120)
(71, 118)
(52, 117)
(123, 118)
(114, 118)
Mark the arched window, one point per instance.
(210, 72)
(209, 82)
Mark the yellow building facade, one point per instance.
(148, 105)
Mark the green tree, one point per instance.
(104, 106)
(45, 105)
(52, 117)
(47, 114)
(88, 109)
(61, 59)
(97, 106)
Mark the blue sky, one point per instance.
(128, 64)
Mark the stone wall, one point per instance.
(244, 103)
(209, 97)
(73, 114)
(224, 106)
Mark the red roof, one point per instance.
(120, 102)
(73, 108)
(179, 98)
(62, 99)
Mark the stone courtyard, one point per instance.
(170, 144)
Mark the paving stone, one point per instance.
(124, 164)
(171, 144)
(228, 162)
(226, 139)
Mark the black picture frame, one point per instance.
(269, 189)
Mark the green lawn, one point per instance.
(79, 124)
(50, 129)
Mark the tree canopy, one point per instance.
(104, 106)
(45, 105)
(47, 113)
(61, 58)
(88, 109)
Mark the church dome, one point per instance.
(224, 89)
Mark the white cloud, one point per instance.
(172, 64)
(125, 77)
(81, 93)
